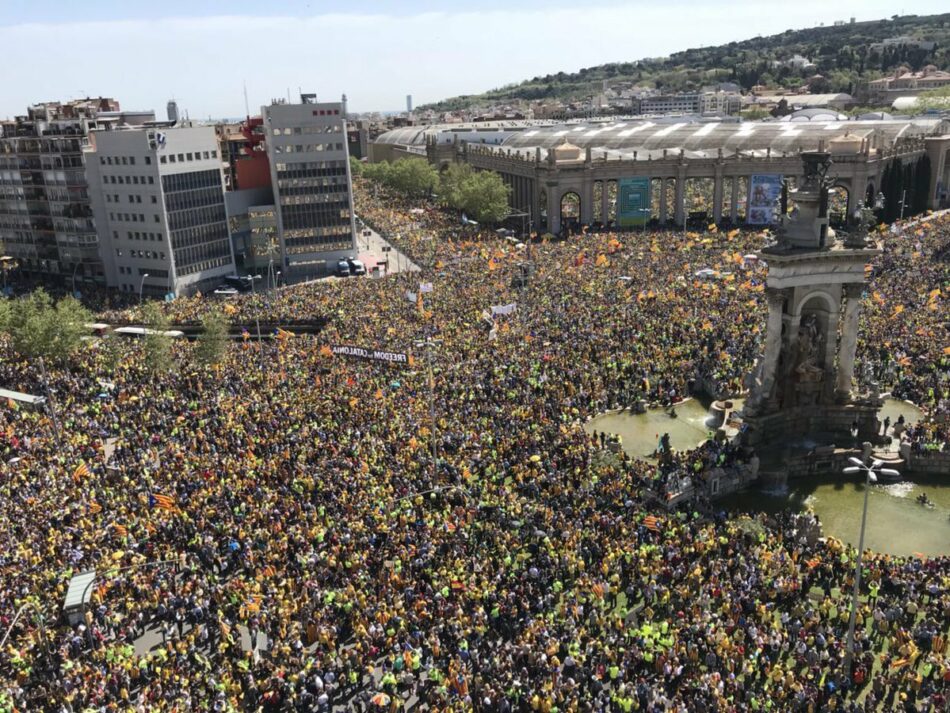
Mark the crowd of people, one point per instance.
(311, 532)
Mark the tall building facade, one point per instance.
(158, 201)
(310, 175)
(46, 217)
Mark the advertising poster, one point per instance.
(633, 201)
(765, 190)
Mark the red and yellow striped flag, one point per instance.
(120, 530)
(165, 502)
(651, 522)
(81, 471)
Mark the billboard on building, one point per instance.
(633, 201)
(765, 190)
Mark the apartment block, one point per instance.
(46, 217)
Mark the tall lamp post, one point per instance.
(142, 286)
(429, 344)
(257, 320)
(871, 472)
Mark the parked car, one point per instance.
(342, 269)
(356, 267)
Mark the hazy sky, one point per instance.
(201, 51)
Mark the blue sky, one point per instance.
(201, 52)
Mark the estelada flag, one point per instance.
(650, 522)
(165, 502)
(82, 471)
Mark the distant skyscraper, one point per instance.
(409, 103)
(172, 110)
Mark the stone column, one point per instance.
(587, 202)
(663, 207)
(554, 209)
(849, 339)
(773, 338)
(679, 209)
(717, 195)
(734, 207)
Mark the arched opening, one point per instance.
(570, 212)
(598, 208)
(838, 206)
(656, 189)
(813, 344)
(669, 200)
(699, 202)
(611, 203)
(742, 199)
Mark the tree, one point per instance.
(40, 328)
(158, 345)
(413, 177)
(213, 340)
(378, 172)
(485, 197)
(356, 166)
(451, 185)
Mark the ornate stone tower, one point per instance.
(802, 387)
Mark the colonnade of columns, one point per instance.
(586, 192)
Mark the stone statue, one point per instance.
(810, 342)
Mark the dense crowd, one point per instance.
(326, 533)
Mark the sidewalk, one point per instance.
(371, 252)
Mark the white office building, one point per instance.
(310, 174)
(158, 200)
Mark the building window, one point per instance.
(190, 157)
(132, 160)
(171, 158)
(214, 154)
(157, 219)
(151, 179)
(181, 158)
(161, 159)
(148, 160)
(154, 199)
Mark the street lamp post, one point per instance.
(871, 472)
(429, 344)
(257, 321)
(142, 286)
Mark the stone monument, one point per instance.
(802, 387)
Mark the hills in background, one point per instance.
(842, 54)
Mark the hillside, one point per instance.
(842, 54)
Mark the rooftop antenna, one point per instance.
(247, 107)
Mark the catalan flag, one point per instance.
(164, 502)
(82, 471)
(94, 508)
(651, 523)
(120, 530)
(245, 335)
(283, 334)
(13, 404)
(326, 351)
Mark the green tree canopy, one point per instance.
(451, 185)
(38, 327)
(213, 340)
(158, 346)
(485, 197)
